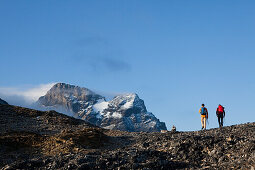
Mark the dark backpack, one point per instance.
(203, 111)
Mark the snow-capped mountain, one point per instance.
(124, 112)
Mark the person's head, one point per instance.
(203, 105)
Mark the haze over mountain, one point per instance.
(125, 112)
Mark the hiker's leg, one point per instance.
(202, 122)
(219, 120)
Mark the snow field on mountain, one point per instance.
(100, 105)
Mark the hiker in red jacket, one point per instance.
(220, 112)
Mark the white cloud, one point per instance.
(24, 96)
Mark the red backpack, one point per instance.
(220, 109)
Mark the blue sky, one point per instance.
(174, 54)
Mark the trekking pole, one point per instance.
(207, 121)
(224, 118)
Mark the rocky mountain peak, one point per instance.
(68, 98)
(127, 101)
(124, 112)
(64, 90)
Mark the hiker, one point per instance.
(220, 112)
(204, 115)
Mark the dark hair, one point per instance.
(203, 104)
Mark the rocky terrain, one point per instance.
(2, 101)
(32, 139)
(126, 112)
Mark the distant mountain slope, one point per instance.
(125, 112)
(34, 121)
(2, 101)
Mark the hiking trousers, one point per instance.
(220, 120)
(203, 122)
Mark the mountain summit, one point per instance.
(125, 112)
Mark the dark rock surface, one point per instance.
(32, 139)
(126, 112)
(2, 101)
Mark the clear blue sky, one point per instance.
(174, 54)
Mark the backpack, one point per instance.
(220, 109)
(203, 111)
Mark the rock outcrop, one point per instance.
(32, 139)
(2, 101)
(126, 112)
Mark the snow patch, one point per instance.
(100, 106)
(128, 105)
(116, 115)
(110, 126)
(128, 99)
(107, 115)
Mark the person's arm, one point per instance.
(200, 110)
(217, 112)
(223, 113)
(206, 114)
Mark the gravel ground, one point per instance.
(32, 139)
